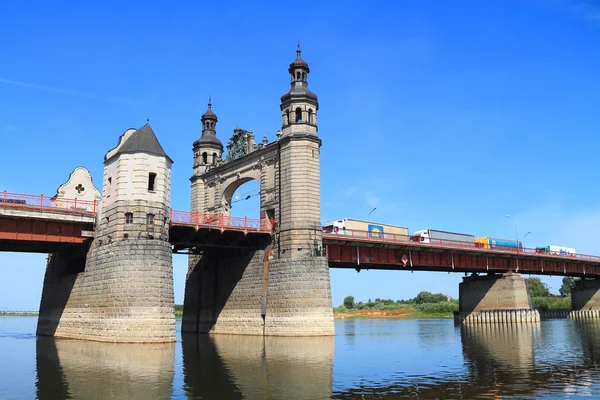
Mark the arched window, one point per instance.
(297, 76)
(303, 76)
(310, 116)
(214, 158)
(205, 158)
(298, 115)
(287, 117)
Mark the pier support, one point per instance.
(585, 299)
(495, 299)
(246, 293)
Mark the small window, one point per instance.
(109, 187)
(149, 219)
(129, 218)
(298, 115)
(310, 116)
(151, 181)
(214, 158)
(204, 158)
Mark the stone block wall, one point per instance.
(586, 295)
(226, 294)
(223, 293)
(125, 293)
(494, 292)
(300, 216)
(299, 298)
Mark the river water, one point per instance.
(367, 359)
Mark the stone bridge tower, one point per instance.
(284, 288)
(122, 290)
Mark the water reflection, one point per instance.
(236, 367)
(373, 359)
(94, 370)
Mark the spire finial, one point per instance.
(298, 51)
(209, 102)
(147, 120)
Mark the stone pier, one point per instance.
(585, 299)
(495, 298)
(248, 294)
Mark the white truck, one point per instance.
(367, 229)
(431, 235)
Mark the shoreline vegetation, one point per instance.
(425, 305)
(428, 305)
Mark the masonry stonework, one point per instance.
(122, 290)
(283, 289)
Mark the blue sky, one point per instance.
(444, 115)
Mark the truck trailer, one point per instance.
(432, 235)
(555, 250)
(498, 244)
(367, 229)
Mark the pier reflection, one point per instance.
(236, 367)
(93, 370)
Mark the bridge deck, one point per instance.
(399, 253)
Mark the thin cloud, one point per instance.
(12, 128)
(349, 192)
(371, 199)
(66, 92)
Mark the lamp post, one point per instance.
(374, 208)
(517, 234)
(524, 236)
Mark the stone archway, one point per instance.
(283, 288)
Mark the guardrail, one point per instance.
(220, 221)
(390, 238)
(47, 203)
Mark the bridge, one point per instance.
(109, 274)
(38, 223)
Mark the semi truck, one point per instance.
(555, 250)
(498, 244)
(358, 228)
(431, 235)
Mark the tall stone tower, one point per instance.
(125, 291)
(299, 169)
(208, 152)
(279, 288)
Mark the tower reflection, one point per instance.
(235, 367)
(81, 369)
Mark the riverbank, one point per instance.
(407, 313)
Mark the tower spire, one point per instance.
(298, 51)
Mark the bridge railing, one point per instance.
(221, 221)
(391, 238)
(47, 203)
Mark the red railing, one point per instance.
(219, 221)
(390, 238)
(47, 203)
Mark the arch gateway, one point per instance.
(284, 287)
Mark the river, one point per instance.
(367, 359)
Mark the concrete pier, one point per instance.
(498, 299)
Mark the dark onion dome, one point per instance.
(210, 139)
(299, 92)
(299, 86)
(209, 136)
(299, 62)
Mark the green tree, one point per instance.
(349, 302)
(568, 283)
(428, 297)
(537, 288)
